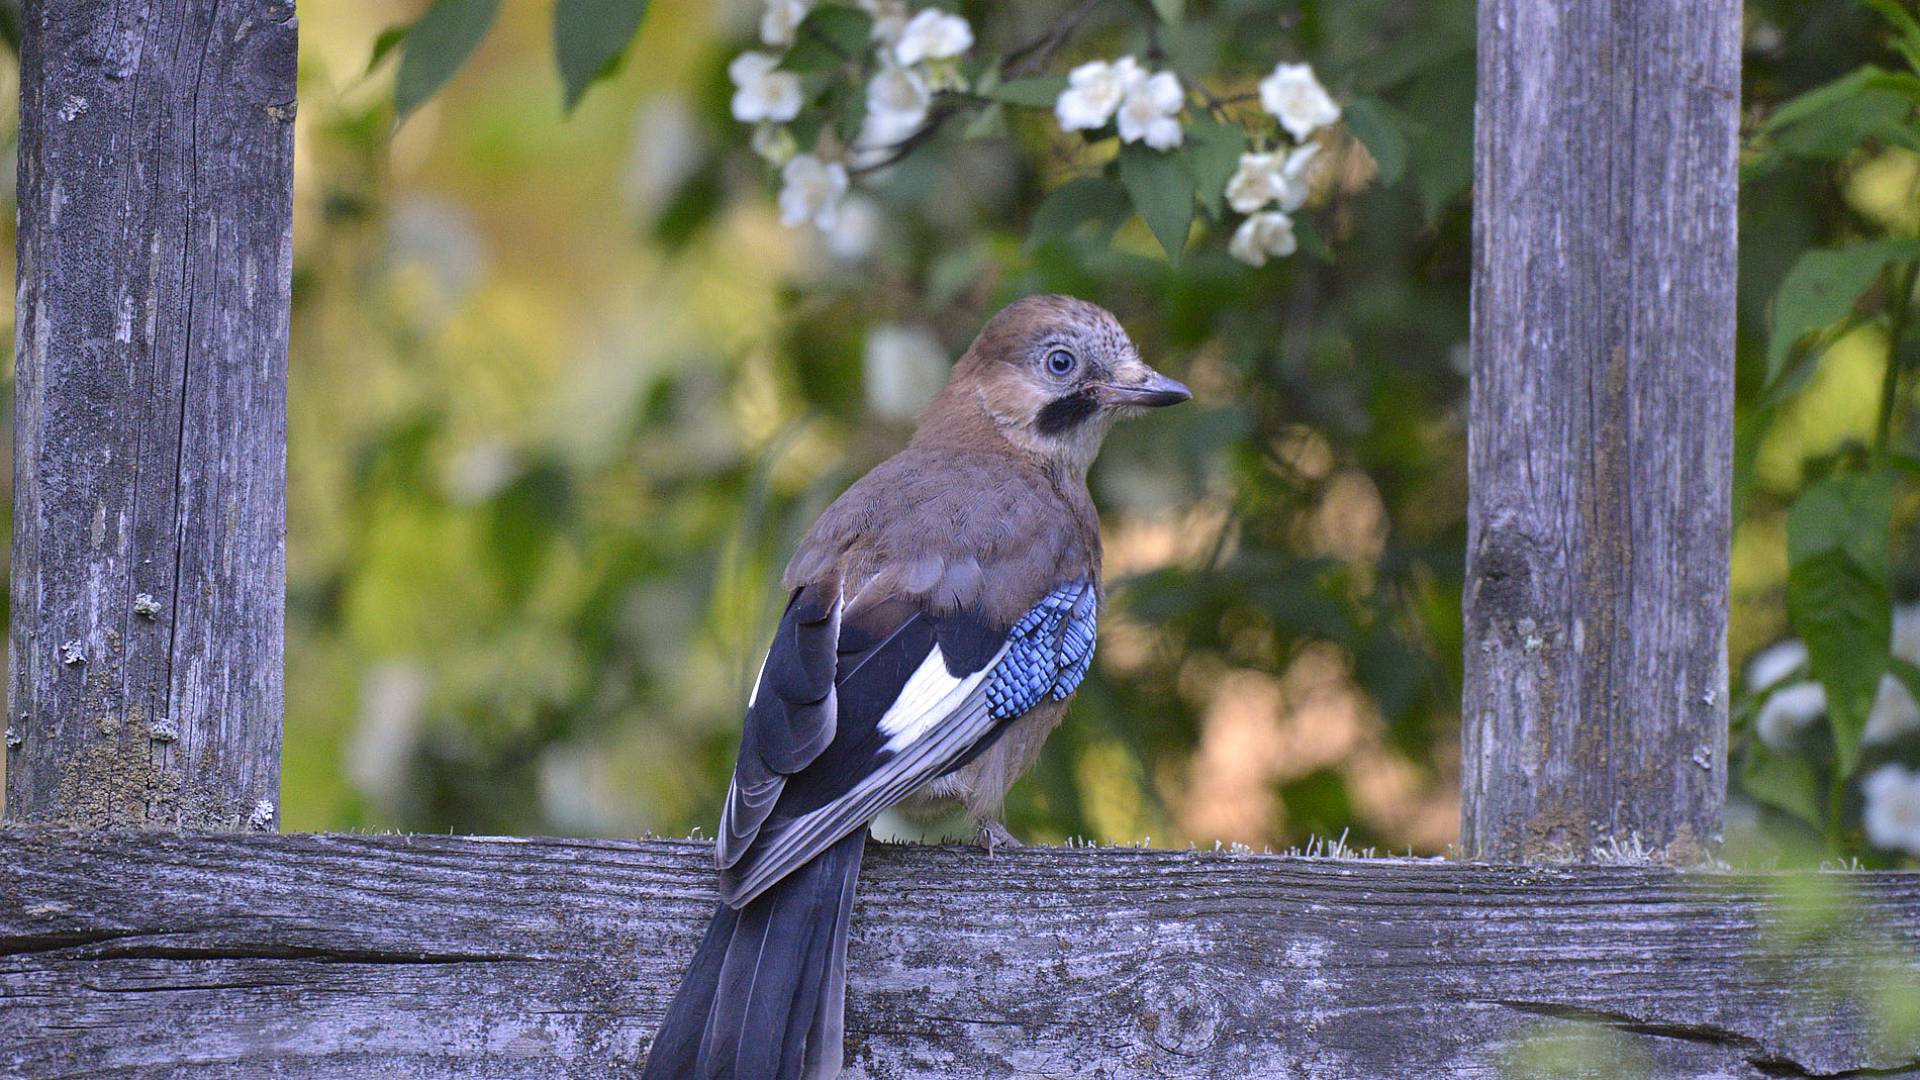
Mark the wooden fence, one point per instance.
(155, 216)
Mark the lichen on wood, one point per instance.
(148, 570)
(1600, 457)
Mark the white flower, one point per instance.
(763, 93)
(1293, 94)
(1892, 815)
(1296, 183)
(1272, 177)
(667, 149)
(1775, 662)
(774, 144)
(811, 191)
(933, 35)
(904, 367)
(1255, 183)
(1788, 712)
(781, 19)
(855, 228)
(393, 699)
(1266, 234)
(482, 470)
(1094, 91)
(889, 19)
(1147, 114)
(897, 102)
(1894, 712)
(1906, 633)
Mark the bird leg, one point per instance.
(990, 834)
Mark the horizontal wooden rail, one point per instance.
(158, 955)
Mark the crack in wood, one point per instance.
(378, 955)
(1768, 1062)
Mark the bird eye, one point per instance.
(1061, 363)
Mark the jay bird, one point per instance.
(939, 615)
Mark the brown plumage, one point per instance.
(941, 613)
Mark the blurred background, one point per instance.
(565, 392)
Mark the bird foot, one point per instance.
(991, 834)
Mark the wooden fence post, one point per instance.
(1601, 431)
(156, 237)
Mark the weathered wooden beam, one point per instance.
(1601, 431)
(231, 956)
(156, 240)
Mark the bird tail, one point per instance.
(764, 998)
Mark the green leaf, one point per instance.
(1830, 121)
(1786, 782)
(1842, 129)
(1162, 190)
(523, 520)
(1837, 594)
(1824, 97)
(990, 124)
(384, 44)
(1038, 93)
(1310, 240)
(846, 103)
(952, 273)
(1908, 26)
(588, 38)
(1171, 12)
(1089, 199)
(1212, 155)
(1440, 162)
(1382, 131)
(830, 35)
(436, 47)
(1822, 288)
(10, 27)
(1907, 673)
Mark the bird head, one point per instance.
(1050, 375)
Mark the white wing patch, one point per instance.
(754, 695)
(930, 696)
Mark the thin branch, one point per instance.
(1900, 283)
(1035, 56)
(814, 34)
(947, 107)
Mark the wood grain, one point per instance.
(227, 956)
(1601, 430)
(155, 255)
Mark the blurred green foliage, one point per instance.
(1830, 255)
(574, 395)
(547, 638)
(565, 394)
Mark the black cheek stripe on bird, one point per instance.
(1061, 415)
(1048, 652)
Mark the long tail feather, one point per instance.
(764, 998)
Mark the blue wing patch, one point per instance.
(1048, 652)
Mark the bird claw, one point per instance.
(991, 834)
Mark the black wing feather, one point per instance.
(812, 732)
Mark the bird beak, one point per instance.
(1150, 390)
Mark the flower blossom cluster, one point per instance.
(913, 55)
(1794, 701)
(1271, 185)
(917, 54)
(1892, 815)
(1145, 106)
